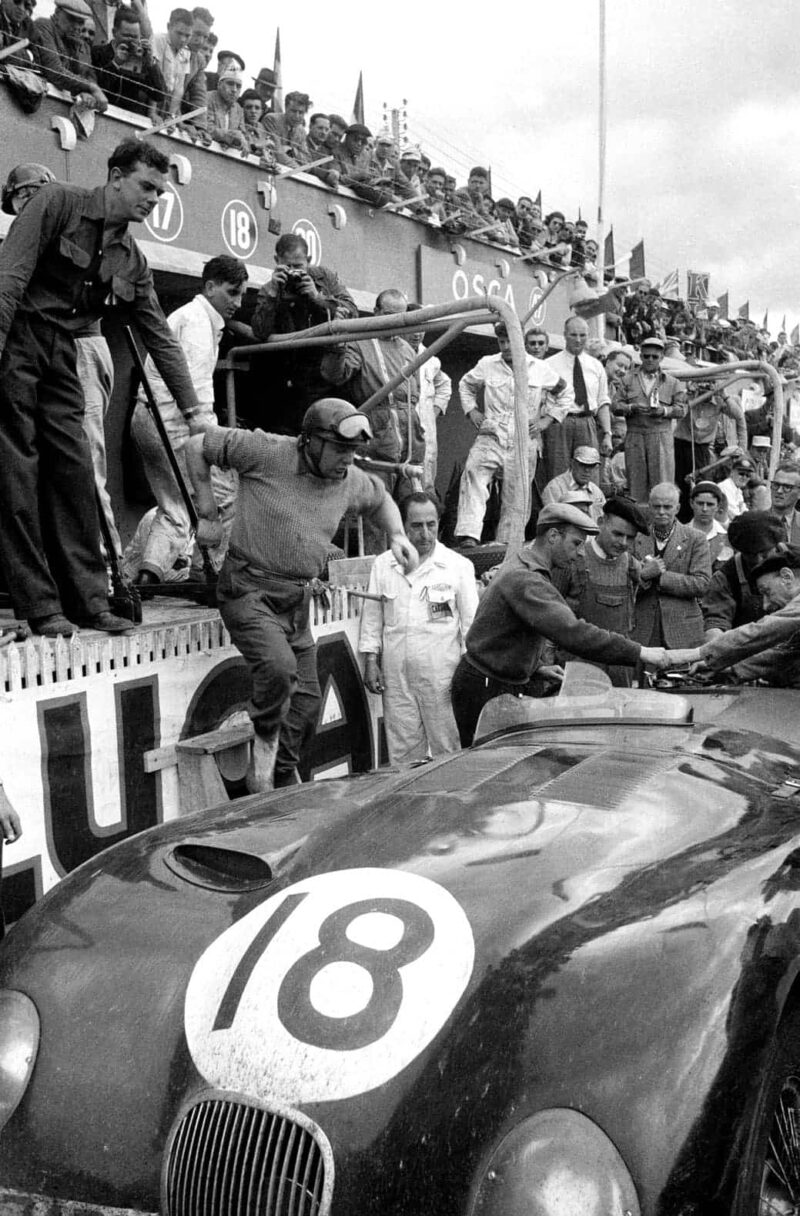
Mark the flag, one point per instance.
(608, 250)
(538, 200)
(744, 312)
(783, 324)
(636, 269)
(277, 101)
(796, 336)
(723, 306)
(697, 286)
(669, 286)
(765, 322)
(358, 104)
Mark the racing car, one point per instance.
(556, 974)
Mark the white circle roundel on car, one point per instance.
(329, 988)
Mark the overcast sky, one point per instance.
(703, 113)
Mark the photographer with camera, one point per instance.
(125, 68)
(297, 297)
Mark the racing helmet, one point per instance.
(336, 420)
(23, 175)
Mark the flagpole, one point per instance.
(601, 168)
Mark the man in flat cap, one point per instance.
(730, 599)
(265, 84)
(292, 496)
(62, 52)
(581, 475)
(649, 399)
(521, 614)
(769, 648)
(601, 583)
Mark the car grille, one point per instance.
(228, 1156)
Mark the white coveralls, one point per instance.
(494, 446)
(419, 631)
(435, 387)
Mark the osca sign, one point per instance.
(467, 283)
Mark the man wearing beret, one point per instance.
(601, 583)
(649, 399)
(521, 614)
(767, 649)
(730, 600)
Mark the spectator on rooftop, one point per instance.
(436, 185)
(265, 85)
(470, 197)
(224, 116)
(297, 297)
(319, 128)
(126, 71)
(506, 216)
(171, 53)
(289, 129)
(15, 24)
(103, 28)
(357, 167)
(63, 53)
(225, 60)
(195, 88)
(339, 126)
(258, 142)
(554, 242)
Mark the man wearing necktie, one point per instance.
(586, 422)
(650, 399)
(785, 492)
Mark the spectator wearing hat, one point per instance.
(265, 84)
(674, 575)
(695, 433)
(731, 599)
(357, 168)
(171, 53)
(292, 496)
(581, 475)
(706, 498)
(297, 297)
(649, 399)
(506, 219)
(492, 452)
(759, 452)
(521, 616)
(289, 129)
(601, 584)
(225, 60)
(224, 115)
(733, 486)
(785, 494)
(765, 649)
(578, 418)
(126, 71)
(63, 53)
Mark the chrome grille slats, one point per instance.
(227, 1156)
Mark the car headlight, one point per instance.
(19, 1043)
(556, 1163)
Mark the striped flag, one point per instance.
(669, 288)
(277, 101)
(358, 104)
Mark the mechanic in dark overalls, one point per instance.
(600, 585)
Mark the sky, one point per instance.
(703, 111)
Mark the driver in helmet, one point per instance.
(293, 494)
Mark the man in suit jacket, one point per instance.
(676, 570)
(785, 492)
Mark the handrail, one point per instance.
(462, 313)
(757, 367)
